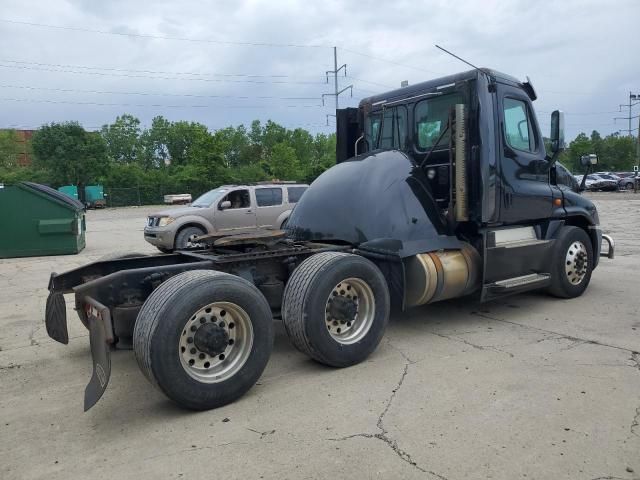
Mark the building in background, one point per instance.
(22, 152)
(23, 137)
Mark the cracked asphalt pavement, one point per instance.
(524, 387)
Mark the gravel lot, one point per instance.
(524, 387)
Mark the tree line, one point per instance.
(181, 157)
(616, 153)
(185, 157)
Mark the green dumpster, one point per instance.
(38, 220)
(70, 190)
(94, 196)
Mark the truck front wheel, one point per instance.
(204, 338)
(572, 263)
(336, 308)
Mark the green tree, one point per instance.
(9, 149)
(283, 163)
(122, 138)
(153, 150)
(70, 154)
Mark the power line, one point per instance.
(86, 67)
(161, 37)
(214, 80)
(369, 82)
(151, 94)
(392, 62)
(30, 100)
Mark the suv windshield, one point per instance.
(205, 201)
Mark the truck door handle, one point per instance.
(248, 212)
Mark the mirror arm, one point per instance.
(584, 178)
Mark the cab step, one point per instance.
(523, 243)
(509, 286)
(529, 281)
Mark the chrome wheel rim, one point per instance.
(576, 262)
(349, 311)
(232, 328)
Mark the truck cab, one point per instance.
(477, 149)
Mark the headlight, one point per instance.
(164, 221)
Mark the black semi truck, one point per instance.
(442, 189)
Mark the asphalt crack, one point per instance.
(473, 345)
(557, 335)
(383, 435)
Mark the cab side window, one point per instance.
(268, 197)
(432, 117)
(394, 128)
(238, 199)
(518, 125)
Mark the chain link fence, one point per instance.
(147, 194)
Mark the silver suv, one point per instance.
(228, 209)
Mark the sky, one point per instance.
(225, 63)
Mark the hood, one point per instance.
(177, 212)
(379, 201)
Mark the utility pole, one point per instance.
(632, 97)
(336, 93)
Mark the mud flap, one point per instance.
(99, 324)
(55, 318)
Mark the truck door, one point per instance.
(524, 171)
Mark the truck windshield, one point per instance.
(205, 201)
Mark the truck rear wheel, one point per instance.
(572, 263)
(336, 308)
(204, 338)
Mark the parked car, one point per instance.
(627, 180)
(589, 182)
(228, 209)
(606, 181)
(596, 182)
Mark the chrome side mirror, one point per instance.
(588, 160)
(224, 205)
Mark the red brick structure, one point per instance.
(23, 138)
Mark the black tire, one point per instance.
(159, 328)
(561, 286)
(164, 250)
(305, 302)
(184, 235)
(283, 225)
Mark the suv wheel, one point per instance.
(184, 238)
